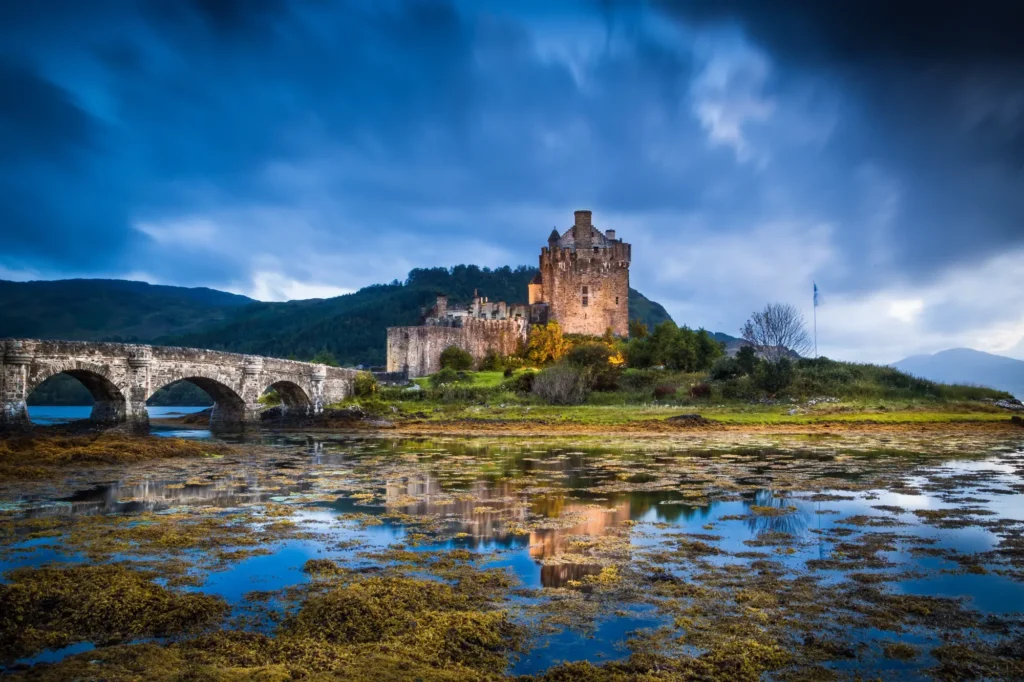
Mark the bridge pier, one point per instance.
(13, 386)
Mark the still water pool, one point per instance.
(823, 558)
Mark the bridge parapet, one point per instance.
(122, 377)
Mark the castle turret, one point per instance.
(581, 230)
(584, 279)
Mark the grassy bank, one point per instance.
(816, 392)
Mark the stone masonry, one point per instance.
(583, 284)
(584, 280)
(121, 377)
(418, 349)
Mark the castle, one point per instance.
(583, 284)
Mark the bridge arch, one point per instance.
(110, 403)
(229, 408)
(293, 396)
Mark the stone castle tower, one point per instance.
(583, 282)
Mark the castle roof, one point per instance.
(554, 236)
(536, 279)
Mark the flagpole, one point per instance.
(815, 320)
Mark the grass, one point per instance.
(855, 393)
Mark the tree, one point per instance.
(457, 359)
(637, 329)
(325, 357)
(746, 359)
(546, 343)
(777, 330)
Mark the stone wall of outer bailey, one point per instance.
(419, 348)
(605, 274)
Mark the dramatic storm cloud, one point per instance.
(746, 149)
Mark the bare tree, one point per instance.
(777, 330)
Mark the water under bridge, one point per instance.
(122, 377)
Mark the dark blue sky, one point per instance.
(294, 149)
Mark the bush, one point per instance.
(520, 383)
(561, 384)
(491, 362)
(740, 388)
(594, 360)
(509, 372)
(773, 377)
(365, 385)
(457, 359)
(444, 377)
(725, 368)
(640, 379)
(700, 391)
(664, 392)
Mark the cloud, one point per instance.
(291, 148)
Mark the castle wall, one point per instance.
(419, 348)
(605, 274)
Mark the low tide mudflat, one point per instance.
(731, 555)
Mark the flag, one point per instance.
(817, 296)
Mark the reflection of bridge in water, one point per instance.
(122, 377)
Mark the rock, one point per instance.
(1017, 420)
(1014, 405)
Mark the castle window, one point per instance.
(595, 249)
(616, 300)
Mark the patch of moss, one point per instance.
(43, 455)
(52, 607)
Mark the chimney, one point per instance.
(581, 230)
(442, 306)
(610, 234)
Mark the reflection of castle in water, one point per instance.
(484, 510)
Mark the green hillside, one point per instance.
(109, 309)
(352, 327)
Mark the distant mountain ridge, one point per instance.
(968, 366)
(109, 309)
(352, 327)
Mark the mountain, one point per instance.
(352, 327)
(109, 309)
(968, 366)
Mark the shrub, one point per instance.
(509, 372)
(561, 384)
(365, 385)
(664, 391)
(725, 368)
(521, 383)
(700, 391)
(774, 377)
(740, 388)
(455, 358)
(491, 362)
(640, 379)
(594, 359)
(447, 375)
(546, 343)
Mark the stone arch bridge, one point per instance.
(121, 377)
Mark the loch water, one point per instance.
(561, 515)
